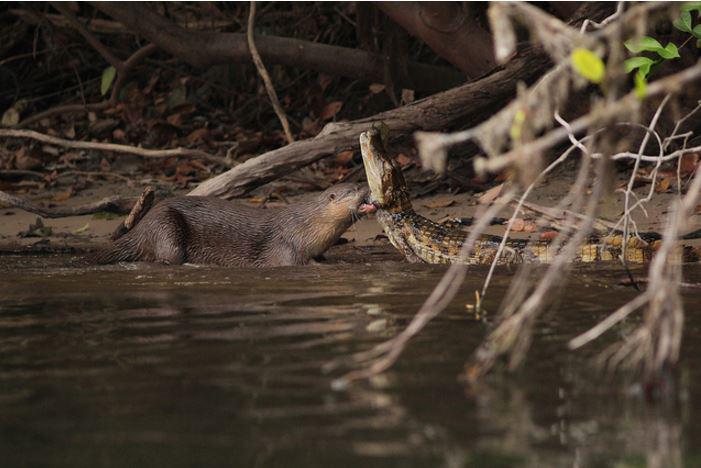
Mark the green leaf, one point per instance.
(644, 44)
(108, 75)
(588, 64)
(696, 32)
(650, 44)
(669, 52)
(642, 63)
(698, 44)
(683, 23)
(640, 86)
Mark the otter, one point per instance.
(209, 230)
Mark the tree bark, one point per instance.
(203, 49)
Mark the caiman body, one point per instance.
(423, 240)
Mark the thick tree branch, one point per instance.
(204, 49)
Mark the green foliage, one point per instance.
(108, 75)
(643, 64)
(640, 85)
(650, 44)
(589, 65)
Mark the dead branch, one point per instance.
(141, 207)
(629, 101)
(468, 103)
(203, 49)
(119, 205)
(260, 66)
(89, 145)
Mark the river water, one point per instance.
(182, 366)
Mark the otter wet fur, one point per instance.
(208, 230)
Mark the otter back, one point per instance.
(207, 230)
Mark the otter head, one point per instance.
(388, 190)
(345, 201)
(334, 211)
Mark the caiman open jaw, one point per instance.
(387, 186)
(371, 149)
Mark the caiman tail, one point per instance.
(422, 240)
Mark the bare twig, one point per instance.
(88, 145)
(636, 166)
(265, 76)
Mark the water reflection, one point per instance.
(220, 367)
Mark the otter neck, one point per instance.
(316, 227)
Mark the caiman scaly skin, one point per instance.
(422, 240)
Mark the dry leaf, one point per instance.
(407, 96)
(26, 162)
(403, 159)
(548, 235)
(63, 196)
(344, 157)
(198, 135)
(119, 134)
(10, 118)
(518, 225)
(324, 81)
(663, 185)
(530, 227)
(69, 132)
(440, 203)
(176, 119)
(376, 88)
(330, 110)
(490, 195)
(81, 230)
(688, 164)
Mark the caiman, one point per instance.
(421, 240)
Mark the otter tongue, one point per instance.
(367, 208)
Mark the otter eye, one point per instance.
(332, 196)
